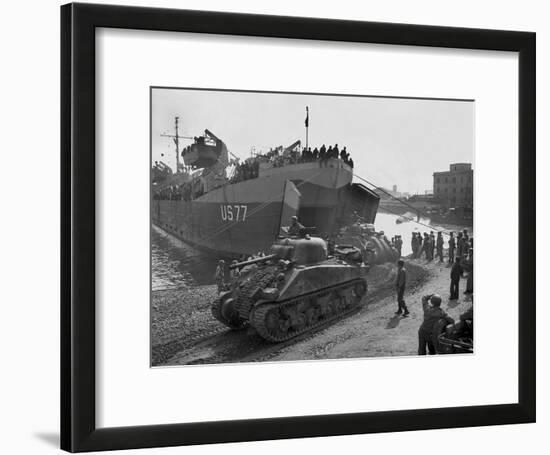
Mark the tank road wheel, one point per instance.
(360, 289)
(281, 321)
(337, 302)
(277, 323)
(313, 312)
(301, 321)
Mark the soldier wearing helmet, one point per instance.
(431, 304)
(295, 227)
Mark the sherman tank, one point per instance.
(295, 289)
(374, 246)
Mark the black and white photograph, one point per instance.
(309, 226)
(248, 227)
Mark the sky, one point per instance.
(393, 141)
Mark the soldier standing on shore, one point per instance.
(452, 246)
(456, 274)
(398, 244)
(469, 267)
(459, 245)
(440, 246)
(219, 276)
(428, 246)
(400, 283)
(431, 304)
(414, 245)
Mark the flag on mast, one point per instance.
(307, 116)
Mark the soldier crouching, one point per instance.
(431, 304)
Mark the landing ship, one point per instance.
(231, 207)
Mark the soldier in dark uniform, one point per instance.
(459, 245)
(456, 274)
(469, 267)
(315, 155)
(398, 244)
(440, 246)
(295, 227)
(344, 155)
(426, 248)
(400, 283)
(452, 246)
(322, 155)
(431, 304)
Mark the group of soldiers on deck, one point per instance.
(322, 155)
(307, 155)
(250, 168)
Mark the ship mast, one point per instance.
(176, 138)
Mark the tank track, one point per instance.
(261, 279)
(262, 311)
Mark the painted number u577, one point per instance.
(230, 212)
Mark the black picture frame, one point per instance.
(78, 176)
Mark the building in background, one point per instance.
(455, 187)
(385, 193)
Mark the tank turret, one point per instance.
(295, 289)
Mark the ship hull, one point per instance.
(246, 217)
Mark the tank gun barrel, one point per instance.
(253, 261)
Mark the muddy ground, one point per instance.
(184, 332)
